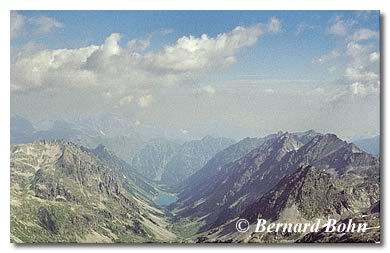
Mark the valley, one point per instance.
(65, 192)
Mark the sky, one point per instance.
(224, 73)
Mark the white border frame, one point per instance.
(7, 5)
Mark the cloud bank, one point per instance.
(118, 69)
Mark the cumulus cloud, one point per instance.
(361, 71)
(131, 67)
(359, 67)
(362, 90)
(51, 68)
(145, 100)
(198, 53)
(38, 24)
(138, 45)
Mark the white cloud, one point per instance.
(358, 89)
(38, 24)
(132, 67)
(338, 26)
(138, 45)
(274, 25)
(51, 68)
(358, 68)
(362, 90)
(145, 101)
(361, 74)
(191, 53)
(361, 70)
(374, 57)
(45, 24)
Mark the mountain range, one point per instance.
(62, 191)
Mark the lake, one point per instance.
(164, 199)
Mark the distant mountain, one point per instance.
(61, 130)
(370, 145)
(306, 136)
(247, 179)
(62, 192)
(21, 130)
(125, 147)
(191, 157)
(107, 124)
(89, 134)
(152, 159)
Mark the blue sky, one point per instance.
(283, 50)
(305, 51)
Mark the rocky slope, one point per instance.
(61, 192)
(255, 174)
(304, 196)
(371, 217)
(202, 183)
(134, 181)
